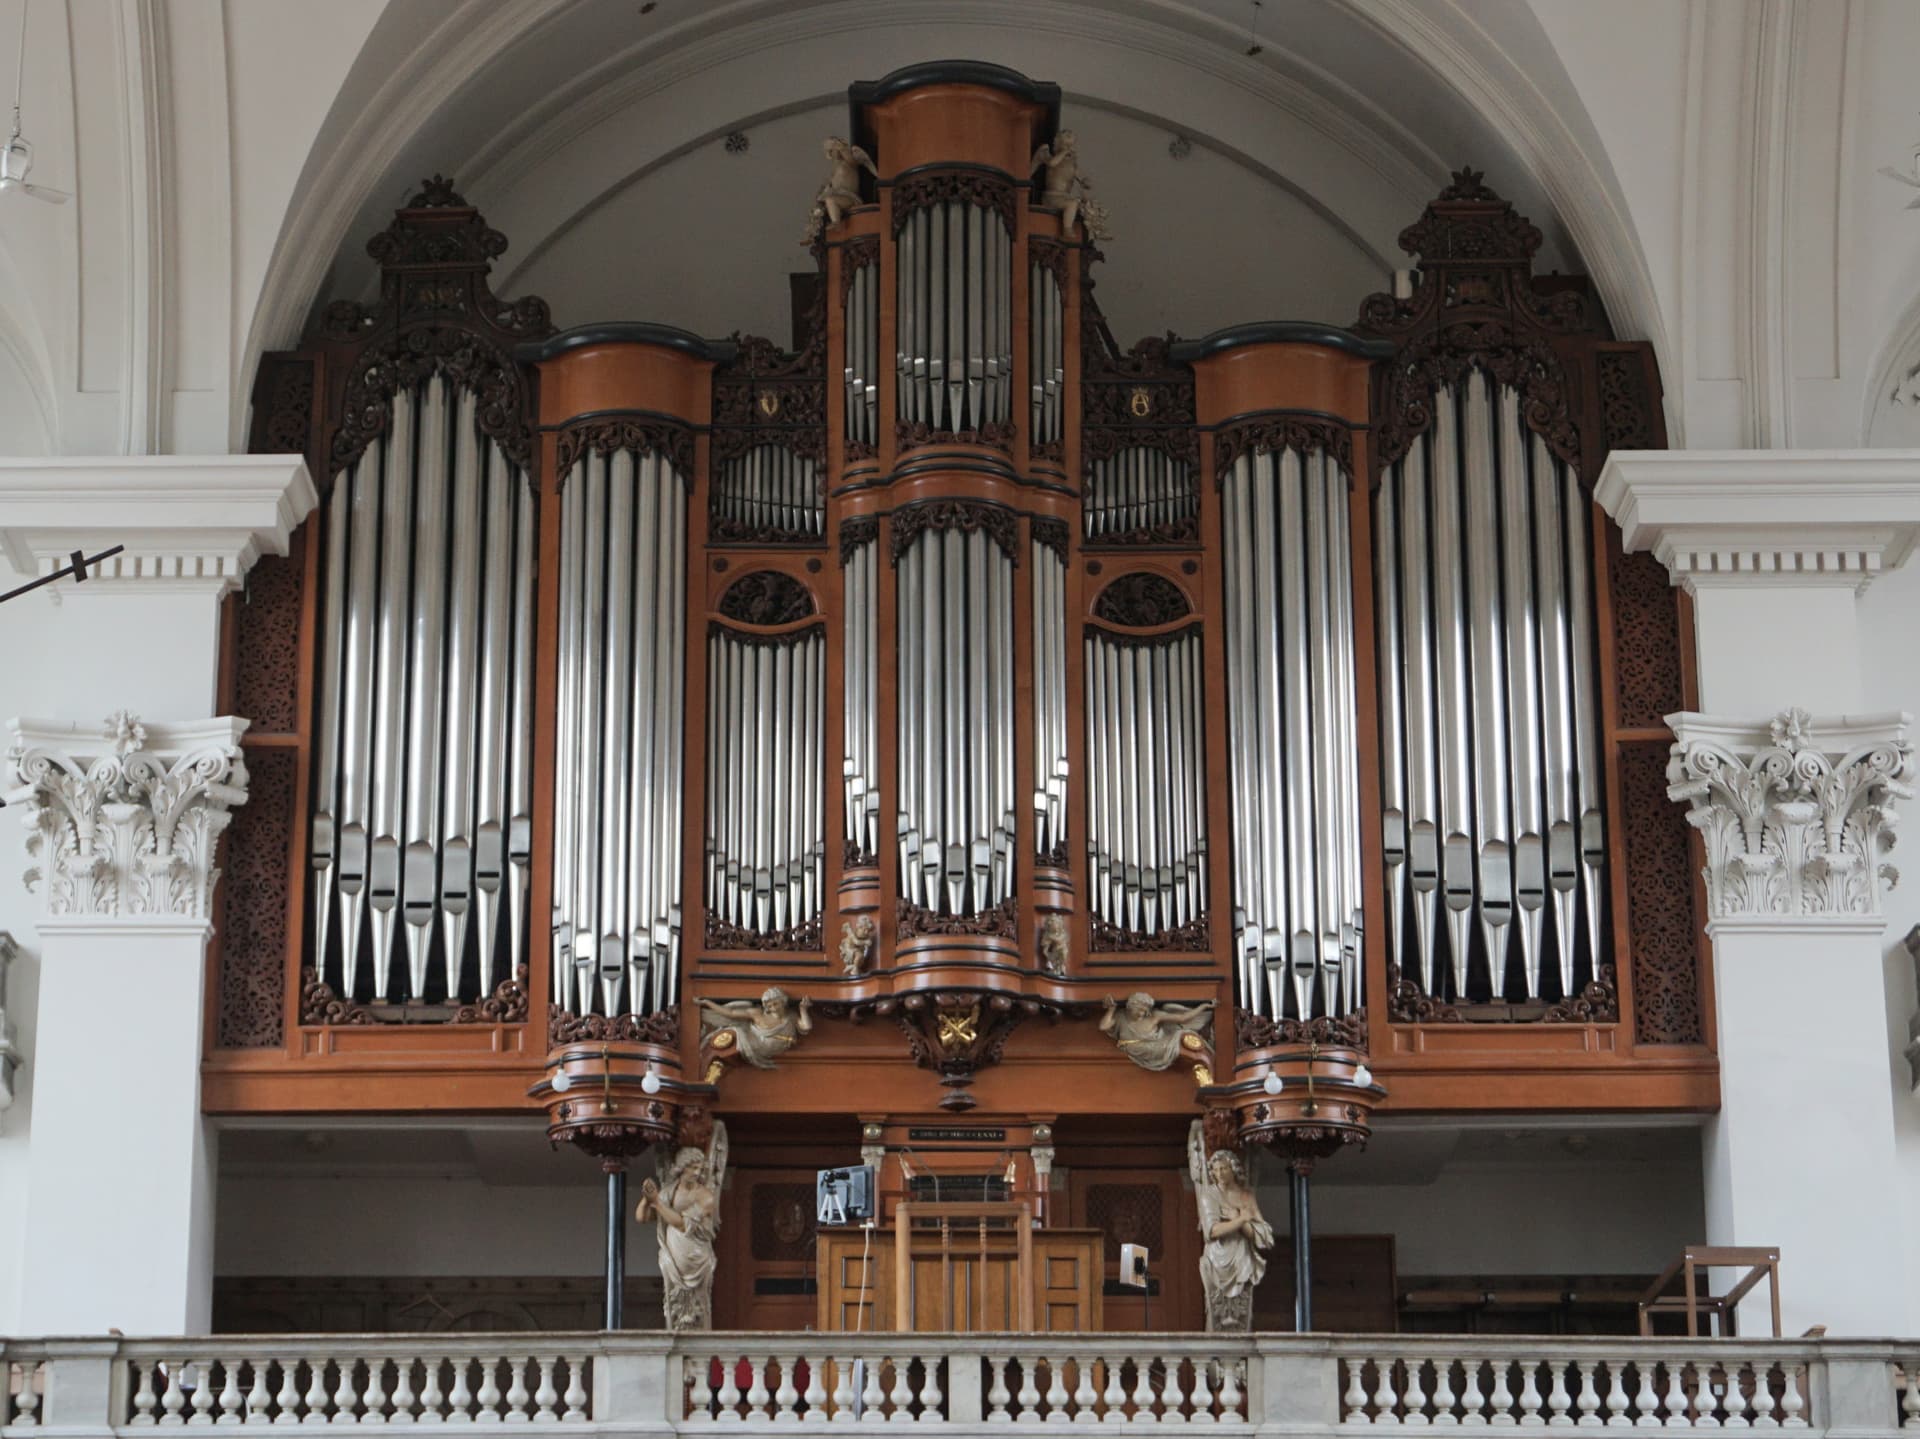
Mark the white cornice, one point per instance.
(1766, 517)
(188, 522)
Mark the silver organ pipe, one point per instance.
(1046, 353)
(954, 297)
(765, 863)
(426, 622)
(622, 657)
(862, 372)
(1488, 711)
(860, 764)
(1292, 731)
(956, 690)
(769, 490)
(1049, 699)
(1140, 492)
(1146, 839)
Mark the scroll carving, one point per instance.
(1257, 1031)
(1269, 433)
(923, 188)
(643, 434)
(1001, 922)
(997, 522)
(766, 597)
(861, 530)
(662, 1027)
(1142, 600)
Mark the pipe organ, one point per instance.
(1279, 669)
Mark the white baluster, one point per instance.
(1502, 1400)
(997, 1395)
(1530, 1394)
(1173, 1396)
(517, 1395)
(433, 1398)
(203, 1395)
(545, 1394)
(488, 1397)
(901, 1394)
(786, 1399)
(374, 1396)
(576, 1396)
(1737, 1398)
(1416, 1396)
(842, 1390)
(1143, 1412)
(1792, 1402)
(1383, 1396)
(757, 1394)
(175, 1398)
(1675, 1407)
(260, 1395)
(1086, 1398)
(873, 1399)
(931, 1398)
(1620, 1407)
(1761, 1407)
(460, 1397)
(1231, 1397)
(1056, 1391)
(1202, 1393)
(1910, 1397)
(1587, 1381)
(223, 1408)
(1355, 1399)
(1559, 1401)
(1647, 1403)
(143, 1396)
(1029, 1389)
(346, 1399)
(1443, 1393)
(815, 1394)
(26, 1399)
(729, 1391)
(313, 1404)
(403, 1395)
(1473, 1403)
(699, 1389)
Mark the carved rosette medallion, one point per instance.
(123, 822)
(1797, 818)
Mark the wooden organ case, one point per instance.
(954, 672)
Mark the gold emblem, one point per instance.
(1139, 402)
(1202, 1076)
(1190, 1040)
(960, 1029)
(724, 1039)
(769, 402)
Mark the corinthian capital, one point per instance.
(1797, 812)
(124, 818)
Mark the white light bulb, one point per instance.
(562, 1082)
(650, 1082)
(1362, 1075)
(1273, 1084)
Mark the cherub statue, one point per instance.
(1236, 1236)
(1067, 190)
(856, 944)
(685, 1209)
(760, 1032)
(841, 192)
(1150, 1034)
(1053, 944)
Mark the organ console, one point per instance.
(1290, 669)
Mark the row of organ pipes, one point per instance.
(1047, 354)
(862, 370)
(956, 697)
(1291, 731)
(1049, 699)
(1146, 781)
(1491, 765)
(422, 764)
(618, 790)
(955, 317)
(770, 488)
(765, 855)
(860, 766)
(1139, 489)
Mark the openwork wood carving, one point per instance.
(1269, 433)
(645, 435)
(997, 522)
(923, 188)
(1142, 601)
(766, 597)
(252, 925)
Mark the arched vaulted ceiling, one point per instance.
(589, 131)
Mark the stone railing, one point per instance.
(641, 1383)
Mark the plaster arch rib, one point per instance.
(1360, 107)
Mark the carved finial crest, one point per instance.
(436, 193)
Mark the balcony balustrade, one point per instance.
(659, 1384)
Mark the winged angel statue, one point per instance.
(685, 1208)
(1236, 1235)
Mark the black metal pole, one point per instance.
(1302, 1248)
(616, 1244)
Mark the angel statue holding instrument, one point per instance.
(685, 1208)
(1237, 1237)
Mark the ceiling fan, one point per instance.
(16, 161)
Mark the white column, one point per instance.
(123, 824)
(1794, 796)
